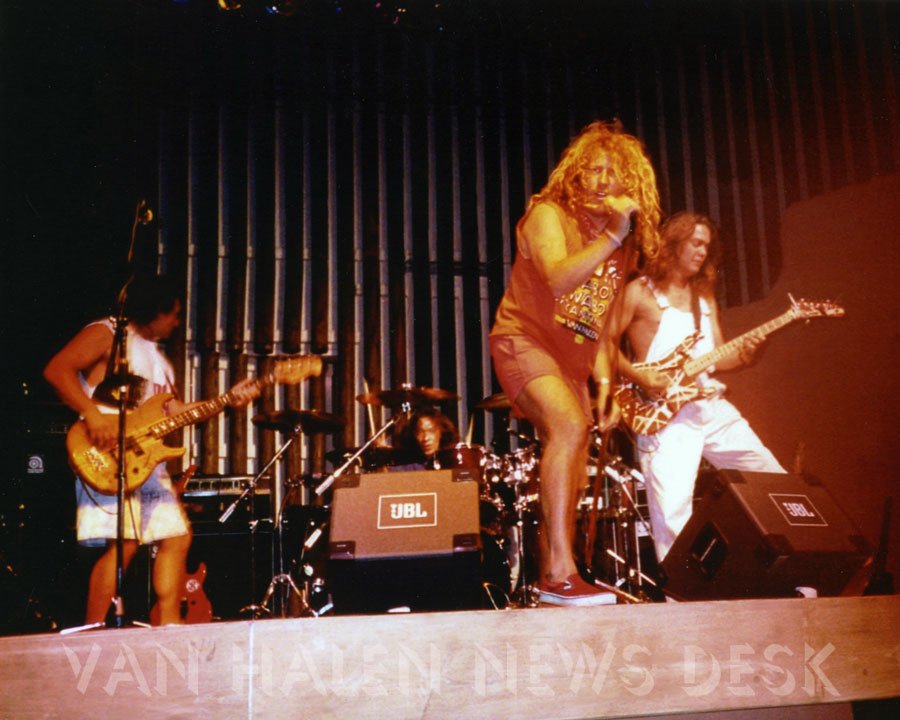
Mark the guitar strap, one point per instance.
(695, 309)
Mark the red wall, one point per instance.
(833, 384)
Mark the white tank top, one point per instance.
(146, 360)
(674, 326)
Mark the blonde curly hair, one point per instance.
(632, 166)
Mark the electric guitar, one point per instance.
(195, 606)
(646, 416)
(146, 427)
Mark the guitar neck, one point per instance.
(697, 365)
(202, 411)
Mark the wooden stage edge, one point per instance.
(609, 661)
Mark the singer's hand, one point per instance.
(620, 208)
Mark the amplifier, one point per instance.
(405, 539)
(754, 535)
(206, 497)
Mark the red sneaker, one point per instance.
(573, 591)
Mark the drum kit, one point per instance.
(509, 498)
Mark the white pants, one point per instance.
(711, 429)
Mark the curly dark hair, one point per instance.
(149, 296)
(404, 435)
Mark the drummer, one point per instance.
(420, 437)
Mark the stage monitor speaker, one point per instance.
(756, 535)
(405, 539)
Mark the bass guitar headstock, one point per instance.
(294, 370)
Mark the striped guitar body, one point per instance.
(646, 416)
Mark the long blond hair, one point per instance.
(632, 166)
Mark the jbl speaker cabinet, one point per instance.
(405, 539)
(754, 535)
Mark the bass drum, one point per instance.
(461, 456)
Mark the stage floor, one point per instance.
(608, 661)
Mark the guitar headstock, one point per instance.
(296, 369)
(814, 308)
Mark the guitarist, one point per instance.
(153, 513)
(672, 301)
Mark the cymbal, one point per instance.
(497, 401)
(291, 421)
(406, 394)
(374, 456)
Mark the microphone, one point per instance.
(145, 214)
(632, 222)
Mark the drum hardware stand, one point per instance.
(634, 576)
(527, 597)
(310, 583)
(281, 578)
(632, 572)
(329, 481)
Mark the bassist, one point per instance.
(674, 300)
(153, 513)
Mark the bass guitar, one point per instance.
(146, 427)
(645, 415)
(195, 606)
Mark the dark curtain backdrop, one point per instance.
(341, 183)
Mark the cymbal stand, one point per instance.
(631, 562)
(329, 481)
(281, 578)
(527, 597)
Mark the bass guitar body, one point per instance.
(144, 450)
(146, 427)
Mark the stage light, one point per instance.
(285, 8)
(230, 4)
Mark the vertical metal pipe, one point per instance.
(408, 277)
(666, 189)
(685, 117)
(774, 124)
(383, 233)
(815, 81)
(735, 182)
(484, 308)
(431, 160)
(709, 140)
(753, 149)
(796, 118)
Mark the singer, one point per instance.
(548, 336)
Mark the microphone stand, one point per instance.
(329, 481)
(120, 352)
(119, 358)
(118, 369)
